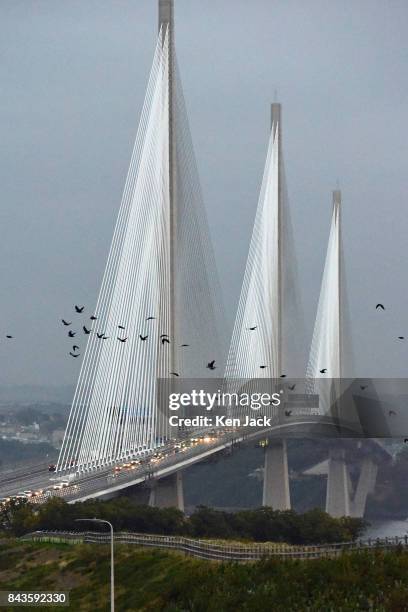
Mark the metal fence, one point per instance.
(205, 549)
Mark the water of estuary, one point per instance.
(386, 529)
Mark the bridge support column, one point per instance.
(167, 492)
(365, 485)
(276, 492)
(338, 485)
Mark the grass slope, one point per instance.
(153, 580)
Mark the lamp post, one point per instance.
(95, 520)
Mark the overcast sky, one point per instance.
(72, 79)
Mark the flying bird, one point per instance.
(73, 354)
(283, 375)
(163, 340)
(75, 347)
(211, 365)
(150, 318)
(79, 309)
(120, 327)
(105, 338)
(323, 371)
(401, 338)
(66, 322)
(174, 374)
(252, 328)
(143, 338)
(288, 413)
(86, 331)
(100, 336)
(122, 339)
(9, 337)
(392, 413)
(93, 318)
(71, 334)
(164, 335)
(380, 306)
(363, 387)
(292, 387)
(263, 367)
(184, 345)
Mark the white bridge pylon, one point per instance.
(330, 353)
(325, 352)
(160, 278)
(268, 330)
(259, 304)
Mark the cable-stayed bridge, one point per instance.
(160, 314)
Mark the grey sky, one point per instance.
(72, 78)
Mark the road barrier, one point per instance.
(205, 549)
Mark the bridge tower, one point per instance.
(338, 489)
(276, 491)
(168, 491)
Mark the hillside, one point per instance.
(148, 580)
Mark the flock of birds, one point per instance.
(164, 338)
(288, 413)
(324, 370)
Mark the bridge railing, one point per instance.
(205, 549)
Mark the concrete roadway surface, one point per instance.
(104, 480)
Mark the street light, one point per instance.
(95, 520)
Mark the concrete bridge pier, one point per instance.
(338, 484)
(365, 486)
(167, 492)
(276, 492)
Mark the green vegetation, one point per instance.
(153, 580)
(260, 525)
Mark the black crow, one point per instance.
(86, 331)
(66, 322)
(79, 309)
(211, 365)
